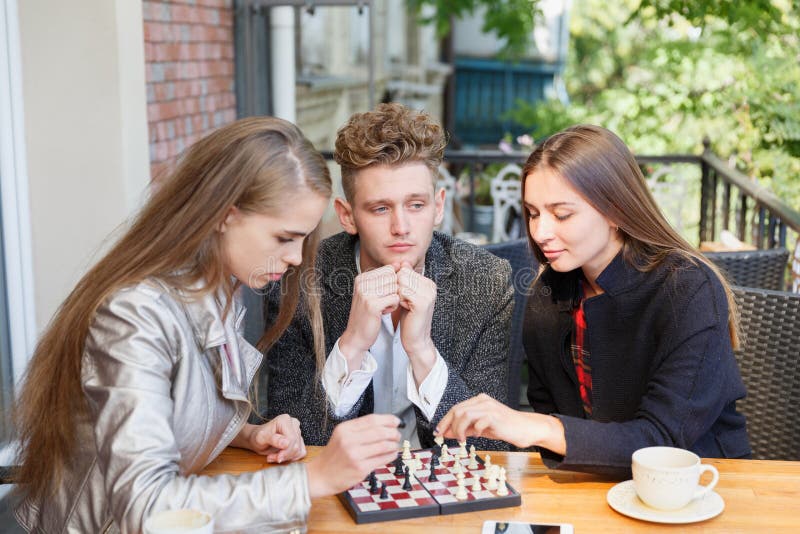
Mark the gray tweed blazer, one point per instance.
(470, 328)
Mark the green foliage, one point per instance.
(665, 73)
(511, 20)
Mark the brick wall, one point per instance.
(190, 73)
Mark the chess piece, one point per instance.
(445, 454)
(457, 467)
(461, 492)
(491, 478)
(502, 488)
(433, 477)
(462, 451)
(476, 485)
(406, 450)
(437, 448)
(398, 466)
(373, 482)
(434, 461)
(407, 483)
(460, 475)
(473, 462)
(487, 463)
(384, 494)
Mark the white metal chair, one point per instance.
(506, 190)
(447, 182)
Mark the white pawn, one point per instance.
(406, 450)
(491, 478)
(473, 462)
(462, 451)
(460, 475)
(502, 489)
(461, 493)
(487, 464)
(445, 456)
(458, 468)
(476, 485)
(439, 440)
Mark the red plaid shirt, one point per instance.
(580, 357)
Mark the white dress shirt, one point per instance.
(386, 365)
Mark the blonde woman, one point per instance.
(628, 330)
(141, 378)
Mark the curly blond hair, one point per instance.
(391, 134)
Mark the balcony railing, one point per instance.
(727, 199)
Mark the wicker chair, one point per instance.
(768, 359)
(523, 271)
(765, 268)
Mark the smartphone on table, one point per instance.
(516, 527)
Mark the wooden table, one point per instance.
(759, 496)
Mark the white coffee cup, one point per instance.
(179, 522)
(668, 478)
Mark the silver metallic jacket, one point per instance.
(165, 398)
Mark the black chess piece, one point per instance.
(384, 494)
(407, 484)
(434, 460)
(398, 466)
(373, 483)
(432, 477)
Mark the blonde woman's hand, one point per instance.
(356, 448)
(279, 440)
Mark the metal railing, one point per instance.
(729, 200)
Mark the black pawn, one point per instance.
(398, 467)
(384, 494)
(407, 484)
(434, 460)
(373, 483)
(432, 478)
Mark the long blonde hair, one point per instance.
(251, 164)
(604, 171)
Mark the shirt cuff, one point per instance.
(431, 390)
(343, 387)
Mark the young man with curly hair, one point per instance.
(415, 321)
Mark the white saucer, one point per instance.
(624, 500)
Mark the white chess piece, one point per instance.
(476, 485)
(487, 464)
(502, 489)
(439, 440)
(473, 462)
(491, 478)
(445, 456)
(458, 468)
(461, 493)
(462, 451)
(406, 450)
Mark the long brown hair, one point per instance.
(603, 171)
(251, 164)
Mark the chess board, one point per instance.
(425, 498)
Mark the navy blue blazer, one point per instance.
(663, 370)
